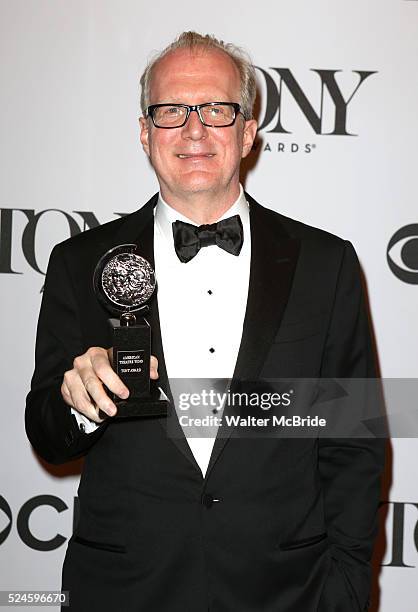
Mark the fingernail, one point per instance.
(123, 393)
(111, 410)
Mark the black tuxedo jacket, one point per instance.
(294, 525)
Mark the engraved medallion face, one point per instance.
(124, 281)
(128, 280)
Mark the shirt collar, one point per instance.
(165, 215)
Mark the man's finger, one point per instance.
(75, 395)
(153, 367)
(106, 374)
(98, 396)
(66, 394)
(84, 405)
(90, 390)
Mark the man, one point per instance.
(232, 524)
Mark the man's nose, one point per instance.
(194, 128)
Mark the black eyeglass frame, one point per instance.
(190, 108)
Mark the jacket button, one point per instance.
(208, 500)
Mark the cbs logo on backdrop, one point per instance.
(402, 254)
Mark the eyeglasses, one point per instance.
(211, 114)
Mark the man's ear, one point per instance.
(144, 134)
(250, 132)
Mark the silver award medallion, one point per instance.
(123, 280)
(128, 280)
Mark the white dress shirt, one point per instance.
(201, 307)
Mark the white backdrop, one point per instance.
(70, 157)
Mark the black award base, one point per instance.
(131, 361)
(156, 404)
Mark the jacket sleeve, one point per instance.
(350, 468)
(50, 426)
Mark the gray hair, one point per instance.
(193, 41)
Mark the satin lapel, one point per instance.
(171, 425)
(274, 255)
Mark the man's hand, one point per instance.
(82, 387)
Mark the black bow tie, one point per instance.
(189, 239)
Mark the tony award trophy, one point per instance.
(123, 282)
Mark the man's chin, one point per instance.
(199, 184)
